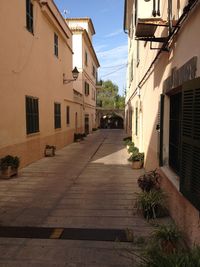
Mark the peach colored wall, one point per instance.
(184, 47)
(29, 67)
(183, 212)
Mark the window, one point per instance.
(87, 89)
(86, 58)
(93, 71)
(190, 142)
(175, 132)
(55, 44)
(32, 115)
(29, 16)
(57, 115)
(136, 121)
(67, 115)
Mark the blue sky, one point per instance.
(110, 42)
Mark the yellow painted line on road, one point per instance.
(56, 234)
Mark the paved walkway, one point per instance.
(86, 185)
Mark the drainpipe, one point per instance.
(170, 16)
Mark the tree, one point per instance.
(108, 97)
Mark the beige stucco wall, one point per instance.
(81, 45)
(30, 68)
(183, 48)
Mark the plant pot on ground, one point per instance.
(137, 159)
(9, 166)
(79, 136)
(152, 204)
(49, 151)
(150, 180)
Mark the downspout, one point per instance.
(170, 16)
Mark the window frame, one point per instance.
(56, 45)
(29, 16)
(57, 115)
(32, 114)
(68, 115)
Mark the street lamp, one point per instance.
(75, 74)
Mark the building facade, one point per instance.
(85, 59)
(37, 107)
(163, 99)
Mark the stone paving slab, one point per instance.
(86, 185)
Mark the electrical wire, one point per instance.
(114, 71)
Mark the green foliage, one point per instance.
(168, 232)
(136, 156)
(157, 258)
(132, 148)
(108, 96)
(152, 203)
(9, 160)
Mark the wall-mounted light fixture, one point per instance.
(75, 74)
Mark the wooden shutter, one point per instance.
(190, 142)
(159, 128)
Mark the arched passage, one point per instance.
(111, 121)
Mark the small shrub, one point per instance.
(149, 181)
(136, 156)
(132, 148)
(168, 237)
(152, 204)
(127, 140)
(11, 161)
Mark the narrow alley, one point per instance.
(87, 185)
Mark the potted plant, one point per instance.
(49, 151)
(132, 148)
(127, 141)
(152, 204)
(137, 159)
(149, 180)
(168, 237)
(9, 166)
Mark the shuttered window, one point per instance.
(190, 142)
(67, 115)
(32, 115)
(87, 89)
(57, 115)
(159, 129)
(29, 16)
(175, 132)
(55, 44)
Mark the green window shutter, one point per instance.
(190, 142)
(160, 128)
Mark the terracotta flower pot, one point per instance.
(137, 164)
(9, 172)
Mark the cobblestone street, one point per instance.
(87, 185)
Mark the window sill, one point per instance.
(172, 176)
(58, 129)
(33, 134)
